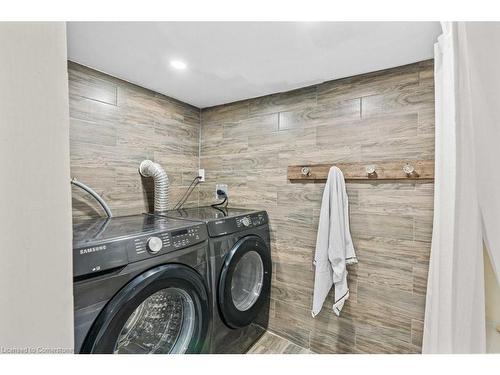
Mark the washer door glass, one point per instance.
(163, 323)
(247, 281)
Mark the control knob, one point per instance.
(246, 221)
(154, 244)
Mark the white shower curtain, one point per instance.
(467, 186)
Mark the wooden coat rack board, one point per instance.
(400, 170)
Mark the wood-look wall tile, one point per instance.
(94, 111)
(369, 131)
(192, 116)
(91, 132)
(285, 101)
(421, 147)
(253, 126)
(93, 155)
(426, 72)
(420, 279)
(301, 196)
(390, 250)
(245, 196)
(370, 340)
(212, 131)
(130, 157)
(367, 225)
(78, 70)
(397, 202)
(186, 178)
(135, 135)
(385, 81)
(417, 332)
(91, 87)
(250, 161)
(123, 202)
(422, 251)
(294, 274)
(293, 213)
(267, 177)
(382, 320)
(321, 115)
(423, 228)
(292, 322)
(320, 154)
(87, 174)
(427, 66)
(285, 252)
(177, 160)
(234, 179)
(426, 121)
(408, 303)
(377, 186)
(171, 129)
(227, 112)
(298, 234)
(175, 109)
(138, 107)
(214, 146)
(411, 99)
(207, 195)
(394, 273)
(335, 336)
(282, 140)
(297, 294)
(176, 193)
(212, 163)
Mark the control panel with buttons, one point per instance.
(162, 243)
(234, 224)
(185, 237)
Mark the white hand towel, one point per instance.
(334, 248)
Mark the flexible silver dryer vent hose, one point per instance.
(160, 178)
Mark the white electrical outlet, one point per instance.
(222, 187)
(201, 173)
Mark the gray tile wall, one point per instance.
(115, 125)
(376, 116)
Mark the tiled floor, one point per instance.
(270, 343)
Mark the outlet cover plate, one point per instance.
(201, 173)
(222, 187)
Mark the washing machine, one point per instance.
(240, 260)
(141, 285)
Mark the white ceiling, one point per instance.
(229, 61)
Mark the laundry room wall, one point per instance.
(378, 116)
(114, 125)
(36, 289)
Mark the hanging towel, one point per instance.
(334, 248)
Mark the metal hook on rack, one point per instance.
(306, 171)
(409, 170)
(370, 171)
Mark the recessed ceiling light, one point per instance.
(178, 64)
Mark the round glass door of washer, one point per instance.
(247, 280)
(163, 323)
